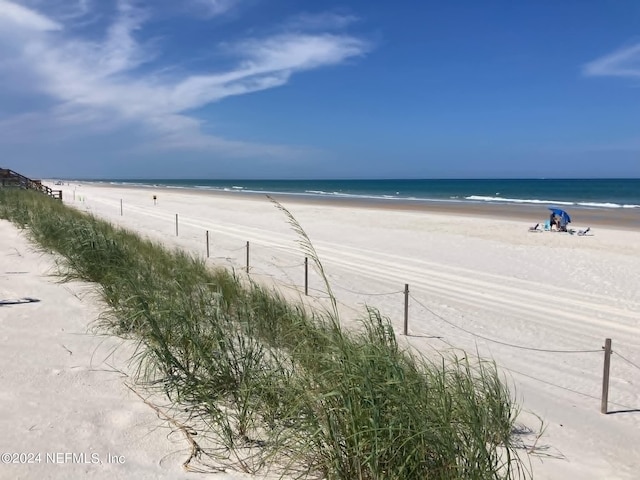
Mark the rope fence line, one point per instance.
(350, 307)
(488, 339)
(555, 385)
(226, 260)
(588, 395)
(300, 264)
(292, 287)
(365, 294)
(321, 291)
(297, 289)
(260, 270)
(373, 294)
(451, 345)
(286, 266)
(469, 332)
(266, 245)
(221, 258)
(626, 360)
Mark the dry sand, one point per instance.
(65, 412)
(478, 281)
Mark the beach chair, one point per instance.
(534, 228)
(582, 233)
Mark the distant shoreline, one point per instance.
(575, 193)
(619, 218)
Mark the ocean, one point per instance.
(574, 193)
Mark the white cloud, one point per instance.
(63, 11)
(267, 63)
(22, 17)
(624, 62)
(100, 81)
(300, 51)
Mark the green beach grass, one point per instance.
(272, 384)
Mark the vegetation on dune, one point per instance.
(272, 383)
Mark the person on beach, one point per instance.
(562, 224)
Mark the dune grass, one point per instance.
(274, 385)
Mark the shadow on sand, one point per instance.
(630, 410)
(18, 301)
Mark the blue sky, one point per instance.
(295, 89)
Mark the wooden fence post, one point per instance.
(120, 207)
(176, 224)
(247, 256)
(306, 276)
(605, 377)
(207, 236)
(406, 309)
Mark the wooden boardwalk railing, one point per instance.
(9, 178)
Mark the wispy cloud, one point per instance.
(64, 11)
(93, 80)
(624, 62)
(12, 14)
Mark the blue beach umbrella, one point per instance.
(564, 216)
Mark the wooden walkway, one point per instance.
(9, 178)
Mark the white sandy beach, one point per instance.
(65, 412)
(485, 286)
